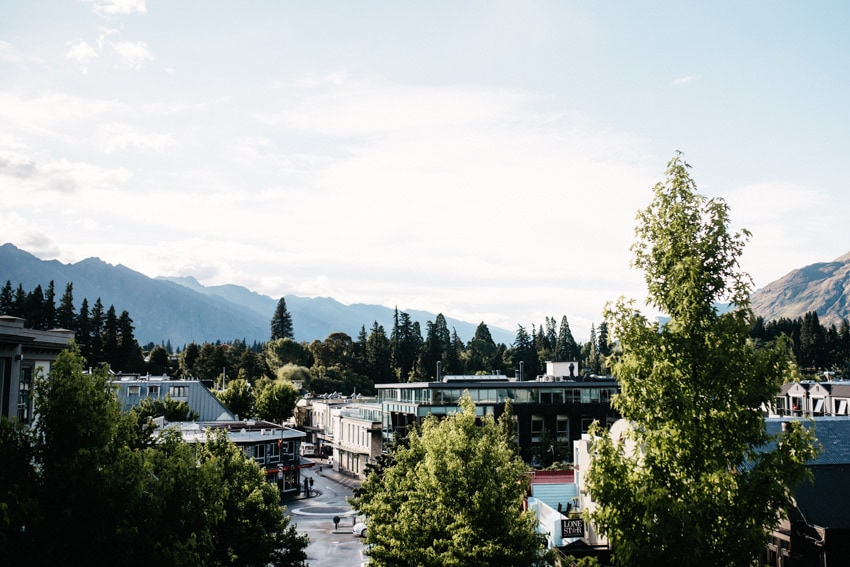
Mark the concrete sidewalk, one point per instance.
(336, 476)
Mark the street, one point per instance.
(314, 516)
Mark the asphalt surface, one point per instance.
(331, 545)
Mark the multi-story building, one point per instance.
(315, 416)
(357, 439)
(132, 389)
(24, 353)
(812, 399)
(548, 412)
(276, 449)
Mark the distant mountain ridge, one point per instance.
(821, 287)
(182, 310)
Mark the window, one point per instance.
(274, 452)
(134, 390)
(24, 400)
(562, 428)
(260, 452)
(153, 390)
(536, 427)
(586, 423)
(841, 408)
(552, 397)
(178, 391)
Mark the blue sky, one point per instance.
(480, 159)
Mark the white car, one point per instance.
(359, 529)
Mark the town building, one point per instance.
(812, 399)
(549, 412)
(816, 528)
(357, 439)
(275, 448)
(24, 354)
(132, 389)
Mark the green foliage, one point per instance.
(281, 324)
(238, 396)
(81, 489)
(280, 352)
(705, 485)
(452, 496)
(276, 401)
(169, 408)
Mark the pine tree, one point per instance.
(281, 324)
(65, 317)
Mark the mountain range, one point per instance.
(822, 287)
(181, 310)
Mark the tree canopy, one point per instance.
(451, 495)
(707, 482)
(88, 486)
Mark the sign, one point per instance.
(572, 527)
(280, 475)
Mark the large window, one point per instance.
(24, 399)
(562, 428)
(536, 428)
(178, 391)
(552, 397)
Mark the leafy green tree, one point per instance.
(293, 373)
(253, 532)
(84, 488)
(453, 496)
(336, 350)
(281, 324)
(280, 352)
(168, 407)
(276, 401)
(377, 354)
(707, 482)
(19, 489)
(78, 416)
(238, 397)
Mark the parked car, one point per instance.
(360, 529)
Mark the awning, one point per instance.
(282, 467)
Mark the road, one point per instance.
(314, 516)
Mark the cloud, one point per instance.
(10, 54)
(117, 137)
(686, 80)
(61, 176)
(133, 54)
(118, 7)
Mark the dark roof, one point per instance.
(823, 502)
(832, 432)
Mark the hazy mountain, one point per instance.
(821, 287)
(182, 310)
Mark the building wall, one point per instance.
(24, 354)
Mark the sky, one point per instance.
(480, 159)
